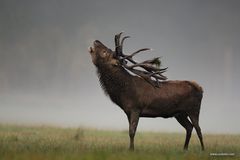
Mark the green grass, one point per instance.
(37, 143)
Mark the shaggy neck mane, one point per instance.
(114, 80)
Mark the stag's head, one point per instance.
(102, 55)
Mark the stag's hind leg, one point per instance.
(195, 118)
(183, 120)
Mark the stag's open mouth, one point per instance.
(90, 49)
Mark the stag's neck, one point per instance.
(114, 80)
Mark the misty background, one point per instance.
(47, 77)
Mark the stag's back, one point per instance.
(168, 93)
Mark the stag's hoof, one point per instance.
(185, 149)
(131, 149)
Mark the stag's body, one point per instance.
(138, 98)
(131, 92)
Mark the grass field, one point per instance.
(37, 143)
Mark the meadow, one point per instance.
(55, 143)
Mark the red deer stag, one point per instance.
(146, 93)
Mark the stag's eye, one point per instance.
(104, 53)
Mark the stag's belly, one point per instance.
(160, 113)
(165, 110)
(154, 113)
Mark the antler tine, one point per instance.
(140, 73)
(118, 48)
(140, 50)
(123, 39)
(148, 66)
(136, 52)
(159, 77)
(129, 57)
(117, 39)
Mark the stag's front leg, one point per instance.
(133, 118)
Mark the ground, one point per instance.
(55, 143)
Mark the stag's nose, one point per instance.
(96, 42)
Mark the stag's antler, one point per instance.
(151, 68)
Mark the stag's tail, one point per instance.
(197, 89)
(196, 86)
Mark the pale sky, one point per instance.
(46, 74)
